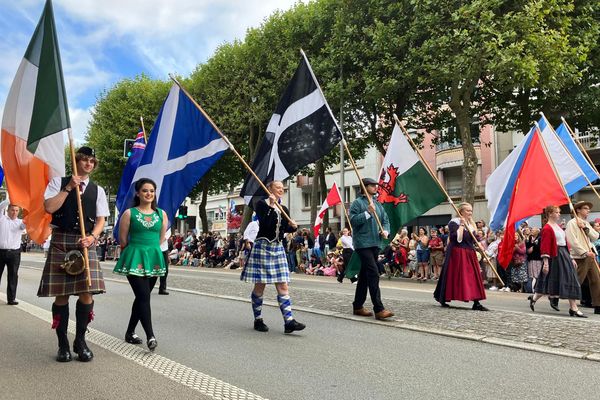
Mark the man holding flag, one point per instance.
(367, 241)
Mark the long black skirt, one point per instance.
(561, 279)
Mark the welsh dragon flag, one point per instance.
(35, 117)
(406, 189)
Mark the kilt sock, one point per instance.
(285, 305)
(60, 322)
(257, 302)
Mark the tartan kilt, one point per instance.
(56, 282)
(266, 263)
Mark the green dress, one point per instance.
(142, 256)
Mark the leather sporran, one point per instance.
(74, 263)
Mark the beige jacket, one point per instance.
(576, 238)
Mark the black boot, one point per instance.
(84, 314)
(60, 322)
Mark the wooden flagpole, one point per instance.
(143, 130)
(581, 231)
(362, 185)
(344, 208)
(86, 258)
(583, 150)
(571, 156)
(414, 146)
(231, 147)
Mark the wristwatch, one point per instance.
(65, 190)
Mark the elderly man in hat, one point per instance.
(580, 236)
(367, 242)
(60, 278)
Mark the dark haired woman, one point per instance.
(141, 231)
(267, 262)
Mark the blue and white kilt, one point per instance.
(267, 263)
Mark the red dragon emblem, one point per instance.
(387, 188)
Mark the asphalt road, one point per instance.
(333, 358)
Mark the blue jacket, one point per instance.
(365, 231)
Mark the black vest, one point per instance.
(67, 216)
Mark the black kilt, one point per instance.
(56, 282)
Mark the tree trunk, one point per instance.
(315, 199)
(202, 206)
(460, 103)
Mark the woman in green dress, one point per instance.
(141, 231)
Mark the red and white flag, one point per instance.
(332, 199)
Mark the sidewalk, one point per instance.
(28, 369)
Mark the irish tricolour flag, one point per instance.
(35, 117)
(406, 189)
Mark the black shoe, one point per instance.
(531, 303)
(84, 353)
(479, 307)
(12, 303)
(260, 326)
(64, 355)
(163, 292)
(293, 325)
(444, 304)
(577, 314)
(133, 338)
(596, 310)
(152, 343)
(554, 303)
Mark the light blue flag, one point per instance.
(567, 139)
(182, 147)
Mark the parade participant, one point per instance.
(557, 278)
(367, 241)
(267, 262)
(460, 278)
(141, 231)
(11, 230)
(60, 278)
(581, 236)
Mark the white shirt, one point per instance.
(560, 235)
(11, 230)
(251, 231)
(164, 246)
(53, 189)
(347, 242)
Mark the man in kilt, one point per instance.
(267, 262)
(61, 202)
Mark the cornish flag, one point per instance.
(406, 189)
(332, 199)
(301, 131)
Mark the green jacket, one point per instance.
(365, 232)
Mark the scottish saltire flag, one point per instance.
(36, 116)
(301, 131)
(501, 183)
(183, 146)
(1, 175)
(531, 192)
(132, 163)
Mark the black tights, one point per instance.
(140, 310)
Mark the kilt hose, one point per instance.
(56, 282)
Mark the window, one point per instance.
(306, 197)
(453, 180)
(347, 195)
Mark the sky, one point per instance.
(102, 42)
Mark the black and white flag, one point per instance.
(301, 131)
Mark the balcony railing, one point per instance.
(588, 141)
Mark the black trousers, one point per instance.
(140, 310)
(368, 278)
(163, 279)
(11, 259)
